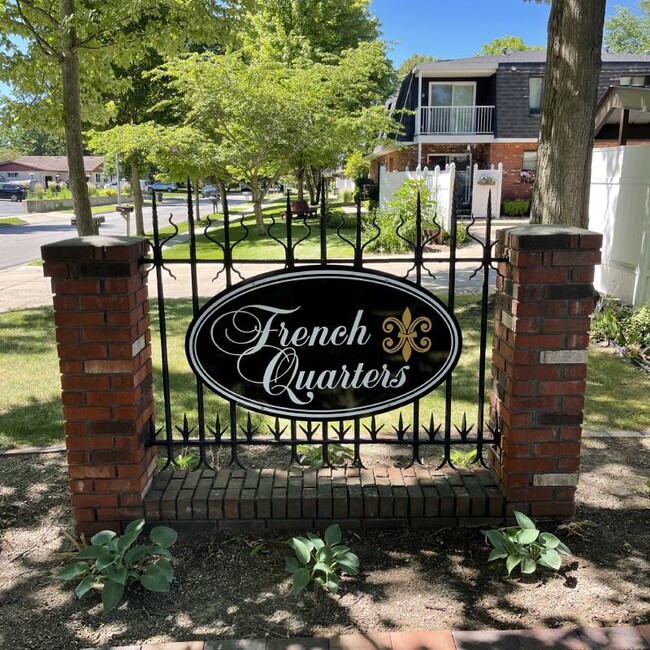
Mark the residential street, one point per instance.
(22, 244)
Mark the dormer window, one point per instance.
(633, 81)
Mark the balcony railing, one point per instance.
(446, 120)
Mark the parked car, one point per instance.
(112, 185)
(209, 190)
(12, 191)
(162, 186)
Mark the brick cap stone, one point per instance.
(550, 237)
(95, 241)
(92, 247)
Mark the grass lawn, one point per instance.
(12, 221)
(30, 408)
(257, 246)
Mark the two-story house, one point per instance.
(484, 110)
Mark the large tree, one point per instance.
(629, 31)
(573, 61)
(134, 146)
(505, 44)
(60, 56)
(411, 62)
(315, 30)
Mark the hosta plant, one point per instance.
(112, 562)
(524, 546)
(320, 561)
(312, 455)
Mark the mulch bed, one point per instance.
(235, 586)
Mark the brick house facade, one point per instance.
(484, 110)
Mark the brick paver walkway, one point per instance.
(607, 638)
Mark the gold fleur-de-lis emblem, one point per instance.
(406, 334)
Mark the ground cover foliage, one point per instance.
(234, 586)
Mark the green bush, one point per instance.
(320, 562)
(112, 562)
(515, 208)
(525, 547)
(628, 327)
(347, 196)
(401, 214)
(312, 455)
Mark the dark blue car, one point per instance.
(12, 191)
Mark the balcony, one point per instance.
(456, 120)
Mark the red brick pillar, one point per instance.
(103, 341)
(539, 363)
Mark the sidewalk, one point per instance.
(606, 638)
(22, 287)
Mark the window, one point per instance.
(632, 81)
(528, 166)
(535, 91)
(12, 174)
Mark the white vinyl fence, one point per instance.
(440, 184)
(486, 181)
(619, 208)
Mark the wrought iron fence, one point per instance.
(213, 424)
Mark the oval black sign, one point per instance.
(323, 343)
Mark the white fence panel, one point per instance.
(344, 185)
(619, 208)
(486, 181)
(440, 184)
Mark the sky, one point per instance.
(451, 29)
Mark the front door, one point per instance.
(463, 183)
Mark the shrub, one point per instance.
(312, 455)
(320, 561)
(401, 214)
(347, 196)
(628, 327)
(112, 562)
(525, 547)
(515, 208)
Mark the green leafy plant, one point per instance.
(112, 562)
(320, 561)
(401, 215)
(628, 327)
(515, 208)
(525, 546)
(187, 460)
(312, 455)
(463, 458)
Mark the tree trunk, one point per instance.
(575, 34)
(137, 199)
(258, 196)
(300, 177)
(72, 121)
(311, 185)
(197, 206)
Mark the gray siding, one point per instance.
(513, 119)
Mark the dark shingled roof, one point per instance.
(527, 56)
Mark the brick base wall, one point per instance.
(511, 155)
(383, 497)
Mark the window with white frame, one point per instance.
(535, 91)
(528, 166)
